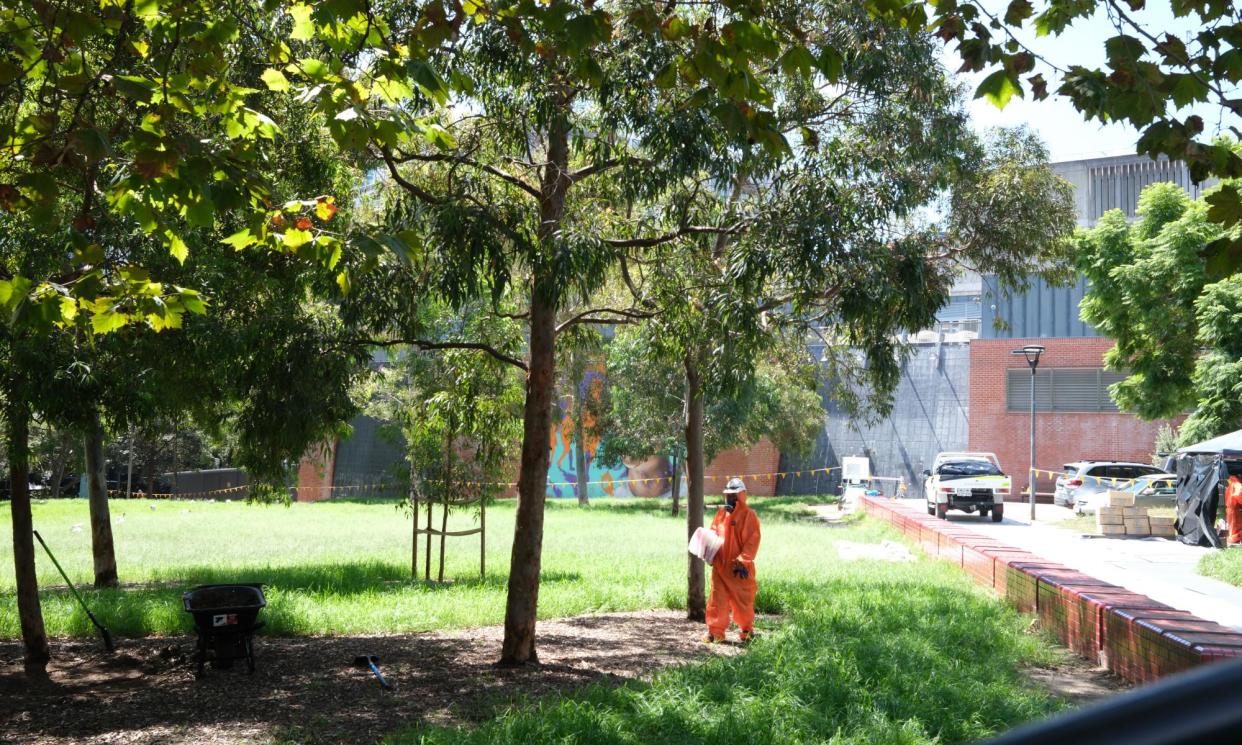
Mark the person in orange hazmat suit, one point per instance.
(1233, 511)
(733, 568)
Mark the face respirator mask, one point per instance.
(730, 502)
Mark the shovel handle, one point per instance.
(378, 675)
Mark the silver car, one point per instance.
(1085, 478)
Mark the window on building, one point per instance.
(1068, 389)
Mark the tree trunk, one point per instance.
(97, 492)
(675, 482)
(523, 597)
(29, 612)
(522, 602)
(62, 459)
(151, 475)
(580, 456)
(696, 600)
(129, 465)
(427, 559)
(414, 541)
(448, 485)
(176, 456)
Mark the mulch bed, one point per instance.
(306, 690)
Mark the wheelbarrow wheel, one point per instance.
(250, 656)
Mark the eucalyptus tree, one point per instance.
(856, 236)
(646, 416)
(533, 145)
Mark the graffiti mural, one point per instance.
(634, 478)
(370, 457)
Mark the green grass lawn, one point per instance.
(866, 651)
(1223, 565)
(343, 567)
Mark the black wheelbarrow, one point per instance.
(226, 617)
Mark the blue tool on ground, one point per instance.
(371, 661)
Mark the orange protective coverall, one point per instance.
(1233, 510)
(740, 531)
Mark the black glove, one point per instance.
(741, 571)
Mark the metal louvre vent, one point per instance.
(1068, 389)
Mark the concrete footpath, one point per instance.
(1162, 569)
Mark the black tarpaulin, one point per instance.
(1198, 493)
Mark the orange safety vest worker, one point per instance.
(1233, 510)
(733, 568)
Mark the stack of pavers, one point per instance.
(1119, 516)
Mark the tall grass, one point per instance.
(866, 654)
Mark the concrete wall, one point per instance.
(368, 462)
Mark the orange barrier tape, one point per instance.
(505, 484)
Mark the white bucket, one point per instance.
(704, 544)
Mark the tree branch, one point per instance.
(603, 166)
(639, 297)
(433, 345)
(512, 316)
(627, 315)
(776, 302)
(409, 186)
(667, 237)
(465, 161)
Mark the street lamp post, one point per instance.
(1031, 352)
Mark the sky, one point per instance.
(1067, 135)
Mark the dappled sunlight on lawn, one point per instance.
(878, 651)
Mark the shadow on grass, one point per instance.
(155, 607)
(857, 660)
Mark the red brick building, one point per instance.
(1074, 418)
(315, 473)
(756, 465)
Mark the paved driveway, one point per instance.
(1159, 568)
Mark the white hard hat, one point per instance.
(734, 486)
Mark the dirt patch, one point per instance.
(306, 690)
(1078, 681)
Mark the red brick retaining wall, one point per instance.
(1136, 637)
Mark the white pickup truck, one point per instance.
(970, 482)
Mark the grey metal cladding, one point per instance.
(930, 414)
(1063, 389)
(367, 457)
(1041, 312)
